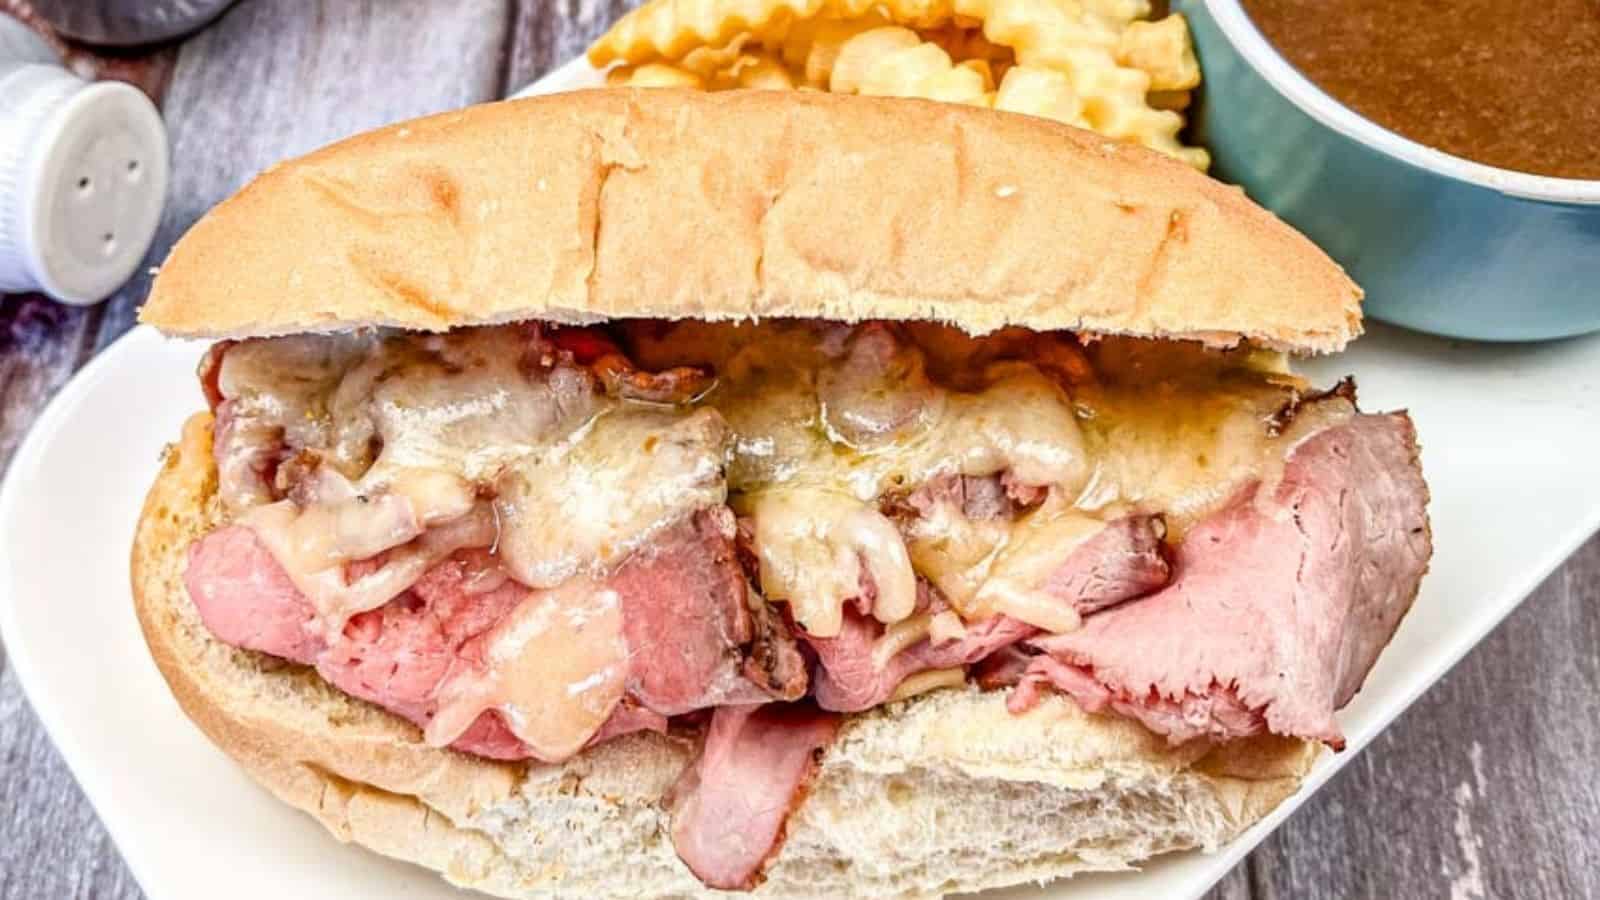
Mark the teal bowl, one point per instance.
(1441, 244)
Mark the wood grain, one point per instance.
(41, 343)
(546, 33)
(1484, 789)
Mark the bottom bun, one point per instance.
(942, 793)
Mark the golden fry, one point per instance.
(1040, 92)
(896, 62)
(759, 72)
(1094, 63)
(1163, 50)
(654, 75)
(669, 29)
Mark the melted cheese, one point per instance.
(584, 507)
(816, 549)
(900, 636)
(930, 680)
(431, 444)
(555, 668)
(1149, 426)
(1032, 552)
(1184, 448)
(954, 552)
(406, 432)
(1022, 422)
(821, 433)
(277, 390)
(945, 627)
(285, 530)
(474, 416)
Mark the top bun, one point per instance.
(666, 204)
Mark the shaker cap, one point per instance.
(83, 178)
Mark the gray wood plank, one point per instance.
(1233, 886)
(41, 342)
(546, 33)
(273, 78)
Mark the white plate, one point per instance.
(1509, 448)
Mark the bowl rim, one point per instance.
(1248, 41)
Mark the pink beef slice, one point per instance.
(1278, 610)
(1123, 561)
(977, 496)
(847, 679)
(687, 586)
(730, 806)
(688, 624)
(246, 599)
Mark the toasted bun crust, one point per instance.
(669, 204)
(1015, 798)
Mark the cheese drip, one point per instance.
(396, 439)
(954, 552)
(286, 531)
(554, 669)
(985, 567)
(1033, 550)
(407, 448)
(825, 415)
(855, 443)
(1185, 447)
(821, 549)
(827, 423)
(585, 506)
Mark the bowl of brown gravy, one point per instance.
(1446, 153)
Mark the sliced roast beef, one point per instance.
(688, 624)
(1005, 668)
(1280, 603)
(1119, 563)
(730, 806)
(877, 390)
(246, 599)
(978, 497)
(1125, 560)
(627, 718)
(775, 662)
(397, 655)
(849, 679)
(684, 611)
(1223, 713)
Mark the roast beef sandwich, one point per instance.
(639, 494)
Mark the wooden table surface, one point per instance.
(1486, 788)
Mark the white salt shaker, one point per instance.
(83, 175)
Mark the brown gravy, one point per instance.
(1509, 83)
